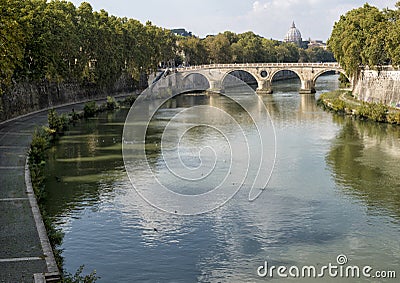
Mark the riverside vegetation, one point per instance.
(342, 102)
(41, 141)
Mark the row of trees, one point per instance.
(367, 36)
(56, 41)
(229, 47)
(59, 42)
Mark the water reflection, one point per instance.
(82, 160)
(364, 159)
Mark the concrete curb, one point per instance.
(44, 240)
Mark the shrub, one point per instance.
(90, 109)
(394, 117)
(375, 111)
(39, 145)
(130, 100)
(338, 105)
(78, 277)
(363, 110)
(378, 112)
(57, 123)
(37, 156)
(111, 103)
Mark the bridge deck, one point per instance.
(261, 65)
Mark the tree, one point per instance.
(218, 48)
(12, 41)
(393, 35)
(194, 50)
(359, 39)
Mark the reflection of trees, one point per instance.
(83, 163)
(363, 164)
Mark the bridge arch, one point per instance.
(196, 81)
(275, 72)
(318, 74)
(296, 76)
(244, 75)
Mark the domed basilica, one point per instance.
(293, 35)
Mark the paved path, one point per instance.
(24, 248)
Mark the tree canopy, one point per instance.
(366, 36)
(60, 42)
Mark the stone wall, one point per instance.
(26, 97)
(379, 87)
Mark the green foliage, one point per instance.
(57, 123)
(366, 37)
(79, 278)
(129, 100)
(56, 41)
(111, 103)
(39, 145)
(373, 111)
(12, 41)
(338, 105)
(342, 102)
(90, 109)
(344, 81)
(393, 117)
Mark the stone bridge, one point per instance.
(264, 73)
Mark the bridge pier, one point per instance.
(264, 87)
(307, 87)
(215, 87)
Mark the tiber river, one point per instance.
(335, 191)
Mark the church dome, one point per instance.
(293, 35)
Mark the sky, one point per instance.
(268, 18)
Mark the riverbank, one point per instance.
(343, 102)
(25, 248)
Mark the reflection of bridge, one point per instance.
(264, 73)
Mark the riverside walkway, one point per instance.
(25, 252)
(24, 248)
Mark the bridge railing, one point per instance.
(260, 65)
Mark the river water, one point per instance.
(335, 190)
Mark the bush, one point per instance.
(111, 103)
(90, 109)
(394, 117)
(79, 278)
(57, 123)
(130, 100)
(338, 105)
(375, 111)
(37, 156)
(378, 112)
(40, 143)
